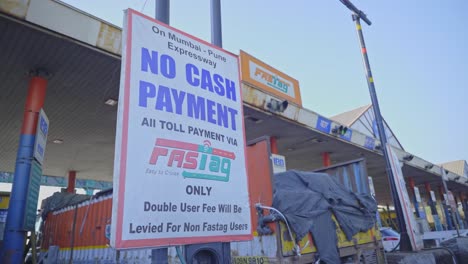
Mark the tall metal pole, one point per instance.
(162, 13)
(216, 29)
(405, 244)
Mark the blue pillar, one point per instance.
(15, 235)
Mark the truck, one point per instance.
(79, 232)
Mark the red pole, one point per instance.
(273, 145)
(71, 182)
(441, 192)
(428, 188)
(34, 102)
(411, 183)
(326, 159)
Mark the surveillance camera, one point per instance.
(277, 106)
(408, 157)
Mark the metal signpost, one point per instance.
(162, 13)
(216, 29)
(357, 16)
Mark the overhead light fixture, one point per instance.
(316, 140)
(408, 157)
(277, 106)
(57, 141)
(254, 119)
(429, 166)
(457, 178)
(111, 102)
(378, 147)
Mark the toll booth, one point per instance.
(4, 201)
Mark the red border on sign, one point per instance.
(137, 243)
(397, 183)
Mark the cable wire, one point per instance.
(297, 249)
(179, 254)
(143, 8)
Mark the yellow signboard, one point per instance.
(269, 79)
(4, 200)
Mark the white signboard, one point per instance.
(371, 186)
(417, 194)
(433, 196)
(451, 201)
(446, 200)
(410, 221)
(41, 137)
(180, 170)
(279, 163)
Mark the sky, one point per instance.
(417, 53)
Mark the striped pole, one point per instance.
(405, 244)
(15, 235)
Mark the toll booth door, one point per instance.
(260, 173)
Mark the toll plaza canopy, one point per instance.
(81, 53)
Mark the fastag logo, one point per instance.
(266, 77)
(197, 161)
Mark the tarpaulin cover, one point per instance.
(60, 200)
(309, 199)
